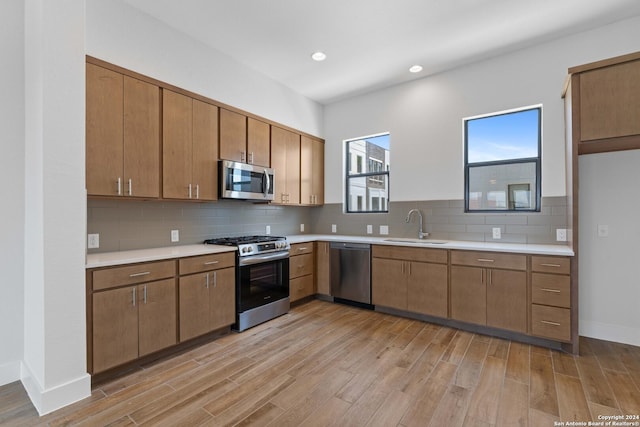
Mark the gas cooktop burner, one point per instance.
(241, 240)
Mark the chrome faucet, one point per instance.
(421, 234)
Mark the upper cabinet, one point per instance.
(243, 139)
(285, 160)
(605, 97)
(122, 135)
(311, 171)
(189, 149)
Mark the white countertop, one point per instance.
(107, 259)
(524, 248)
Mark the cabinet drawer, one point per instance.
(132, 274)
(405, 253)
(197, 264)
(301, 248)
(551, 289)
(551, 322)
(550, 264)
(489, 260)
(300, 288)
(301, 265)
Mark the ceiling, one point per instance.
(370, 44)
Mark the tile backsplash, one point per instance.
(129, 224)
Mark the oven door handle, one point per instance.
(257, 259)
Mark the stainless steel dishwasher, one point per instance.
(350, 273)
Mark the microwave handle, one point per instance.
(267, 180)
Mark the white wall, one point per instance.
(12, 189)
(122, 35)
(425, 116)
(609, 281)
(54, 361)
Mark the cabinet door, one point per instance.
(293, 169)
(233, 136)
(104, 110)
(205, 151)
(156, 316)
(115, 327)
(322, 272)
(388, 283)
(285, 160)
(468, 294)
(306, 170)
(317, 166)
(507, 300)
(301, 287)
(194, 305)
(300, 265)
(258, 142)
(177, 136)
(141, 138)
(222, 294)
(427, 289)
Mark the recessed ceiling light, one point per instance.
(319, 56)
(415, 69)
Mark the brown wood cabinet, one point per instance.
(301, 265)
(411, 279)
(244, 139)
(495, 296)
(285, 160)
(551, 297)
(258, 142)
(207, 294)
(323, 284)
(135, 320)
(122, 135)
(311, 171)
(189, 149)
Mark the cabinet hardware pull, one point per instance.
(242, 156)
(145, 294)
(211, 262)
(133, 297)
(409, 264)
(197, 191)
(251, 157)
(189, 190)
(130, 188)
(546, 322)
(207, 280)
(482, 276)
(555, 291)
(144, 273)
(119, 187)
(485, 260)
(490, 279)
(544, 264)
(303, 249)
(215, 279)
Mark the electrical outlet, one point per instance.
(384, 230)
(369, 229)
(175, 236)
(267, 229)
(93, 241)
(302, 228)
(497, 233)
(334, 228)
(561, 234)
(603, 230)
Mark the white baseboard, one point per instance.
(608, 332)
(9, 372)
(46, 401)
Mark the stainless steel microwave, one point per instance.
(245, 182)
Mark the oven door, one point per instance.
(246, 182)
(262, 279)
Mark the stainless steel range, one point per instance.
(262, 278)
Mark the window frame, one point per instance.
(366, 175)
(536, 160)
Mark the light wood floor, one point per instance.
(330, 364)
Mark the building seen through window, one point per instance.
(367, 174)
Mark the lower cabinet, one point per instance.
(410, 279)
(493, 296)
(323, 284)
(301, 262)
(132, 321)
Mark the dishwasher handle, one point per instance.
(350, 245)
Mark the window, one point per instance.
(367, 182)
(502, 161)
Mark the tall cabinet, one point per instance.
(285, 160)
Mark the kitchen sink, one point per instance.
(420, 241)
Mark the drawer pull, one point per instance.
(302, 249)
(546, 322)
(485, 260)
(211, 262)
(545, 264)
(144, 273)
(555, 291)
